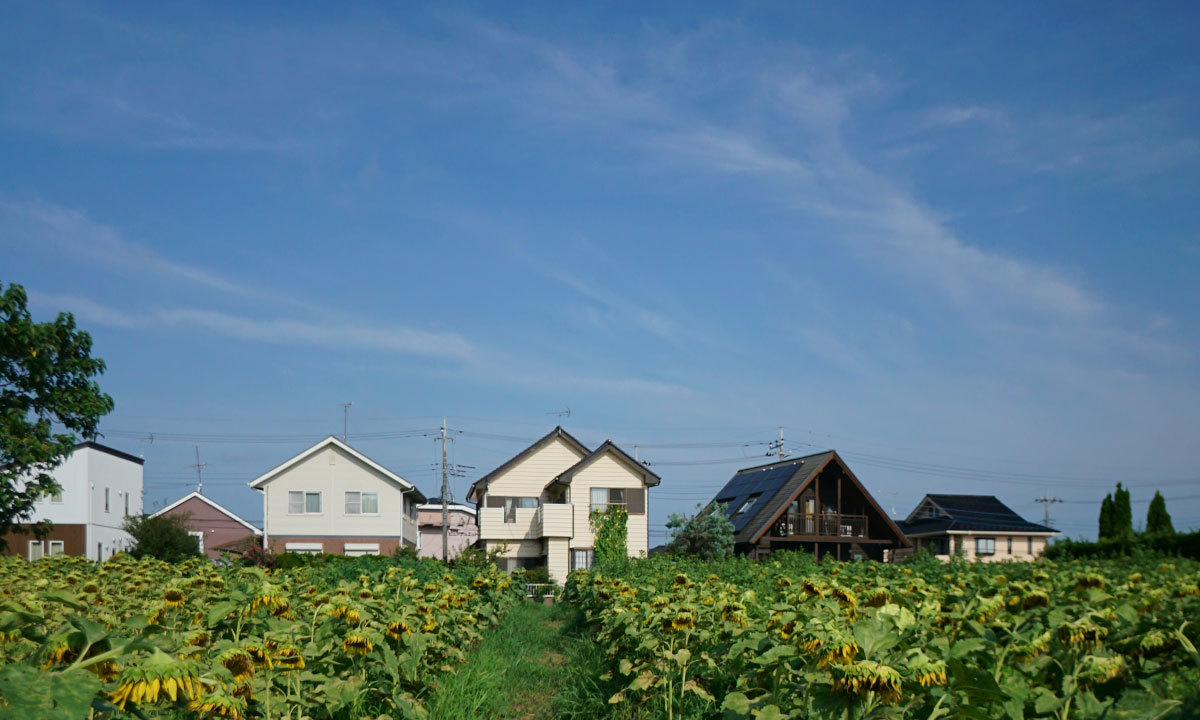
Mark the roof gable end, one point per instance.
(273, 473)
(649, 477)
(558, 433)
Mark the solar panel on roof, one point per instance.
(765, 482)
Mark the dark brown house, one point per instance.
(813, 504)
(212, 525)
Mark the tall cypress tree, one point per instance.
(1158, 520)
(1106, 517)
(1122, 513)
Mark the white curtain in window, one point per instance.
(312, 502)
(295, 502)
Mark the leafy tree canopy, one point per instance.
(707, 534)
(164, 537)
(1158, 520)
(46, 377)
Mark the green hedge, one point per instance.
(1181, 544)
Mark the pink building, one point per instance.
(211, 524)
(462, 534)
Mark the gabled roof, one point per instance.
(271, 474)
(649, 477)
(213, 503)
(435, 503)
(937, 514)
(776, 485)
(556, 434)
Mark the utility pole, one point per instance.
(1046, 502)
(345, 418)
(776, 446)
(445, 509)
(199, 466)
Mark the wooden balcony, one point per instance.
(820, 526)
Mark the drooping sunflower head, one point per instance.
(660, 601)
(159, 674)
(289, 658)
(90, 587)
(878, 597)
(926, 670)
(680, 579)
(783, 582)
(844, 597)
(238, 662)
(174, 597)
(259, 655)
(429, 625)
(357, 644)
(219, 704)
(1098, 669)
(1082, 633)
(866, 676)
(480, 581)
(365, 594)
(685, 619)
(198, 639)
(397, 629)
(811, 589)
(1034, 598)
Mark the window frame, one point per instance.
(107, 504)
(41, 550)
(303, 548)
(56, 498)
(589, 558)
(1010, 545)
(199, 535)
(750, 501)
(513, 503)
(1029, 544)
(980, 542)
(360, 549)
(593, 506)
(361, 495)
(61, 548)
(304, 494)
(126, 504)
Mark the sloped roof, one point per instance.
(555, 434)
(435, 503)
(274, 472)
(649, 477)
(777, 484)
(940, 513)
(212, 503)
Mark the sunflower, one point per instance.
(1082, 633)
(680, 579)
(174, 597)
(926, 670)
(1028, 650)
(685, 619)
(1034, 598)
(356, 644)
(480, 581)
(160, 673)
(1097, 669)
(867, 676)
(660, 601)
(429, 625)
(91, 587)
(268, 596)
(347, 613)
(198, 639)
(219, 704)
(238, 662)
(365, 594)
(397, 629)
(839, 654)
(811, 589)
(289, 658)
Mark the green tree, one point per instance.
(1122, 513)
(1106, 518)
(46, 378)
(707, 534)
(164, 537)
(1158, 520)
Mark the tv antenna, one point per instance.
(561, 413)
(199, 467)
(345, 417)
(776, 446)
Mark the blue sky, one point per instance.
(956, 243)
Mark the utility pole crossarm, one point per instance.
(1046, 500)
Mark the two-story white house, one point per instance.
(101, 486)
(333, 499)
(536, 506)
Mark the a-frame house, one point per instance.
(812, 504)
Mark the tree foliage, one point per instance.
(1106, 518)
(1158, 520)
(707, 534)
(164, 537)
(1122, 513)
(610, 529)
(46, 378)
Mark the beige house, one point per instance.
(977, 527)
(536, 506)
(461, 529)
(333, 499)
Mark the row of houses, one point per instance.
(531, 511)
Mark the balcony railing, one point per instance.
(823, 525)
(548, 520)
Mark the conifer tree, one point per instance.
(1106, 518)
(1158, 520)
(1122, 513)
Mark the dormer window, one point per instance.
(748, 503)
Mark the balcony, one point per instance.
(824, 525)
(548, 520)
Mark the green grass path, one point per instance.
(534, 665)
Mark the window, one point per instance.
(105, 499)
(199, 535)
(581, 559)
(57, 547)
(36, 550)
(1010, 544)
(362, 503)
(750, 500)
(512, 504)
(1029, 543)
(304, 548)
(56, 497)
(604, 498)
(304, 503)
(985, 546)
(126, 504)
(358, 549)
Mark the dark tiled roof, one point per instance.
(774, 483)
(977, 513)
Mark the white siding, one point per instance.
(529, 477)
(333, 472)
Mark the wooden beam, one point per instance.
(832, 539)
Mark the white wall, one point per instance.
(332, 472)
(529, 477)
(607, 472)
(72, 475)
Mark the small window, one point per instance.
(512, 504)
(199, 535)
(362, 503)
(57, 547)
(36, 550)
(304, 503)
(985, 546)
(304, 548)
(749, 503)
(126, 504)
(1029, 544)
(581, 559)
(56, 497)
(1010, 544)
(106, 500)
(604, 498)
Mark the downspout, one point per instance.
(265, 543)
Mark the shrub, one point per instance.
(164, 537)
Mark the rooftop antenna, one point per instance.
(776, 446)
(199, 467)
(345, 418)
(1046, 502)
(561, 414)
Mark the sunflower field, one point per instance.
(785, 638)
(145, 639)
